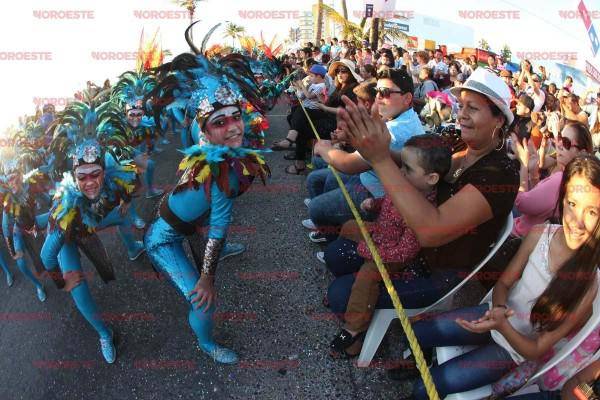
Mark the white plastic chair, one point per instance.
(383, 317)
(446, 353)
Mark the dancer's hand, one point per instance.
(204, 293)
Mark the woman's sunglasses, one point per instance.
(386, 92)
(342, 71)
(567, 144)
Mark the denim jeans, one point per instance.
(321, 181)
(342, 258)
(415, 292)
(330, 210)
(479, 367)
(555, 395)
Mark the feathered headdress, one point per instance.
(192, 86)
(84, 133)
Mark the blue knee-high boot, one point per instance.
(88, 308)
(202, 324)
(149, 176)
(22, 264)
(134, 247)
(4, 266)
(149, 179)
(138, 222)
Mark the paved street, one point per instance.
(269, 311)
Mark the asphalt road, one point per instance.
(269, 311)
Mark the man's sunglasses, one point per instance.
(566, 143)
(135, 114)
(387, 92)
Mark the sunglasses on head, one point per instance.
(386, 92)
(567, 144)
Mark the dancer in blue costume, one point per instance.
(20, 225)
(213, 173)
(96, 195)
(129, 91)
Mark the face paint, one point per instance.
(225, 127)
(89, 179)
(134, 117)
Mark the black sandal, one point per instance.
(342, 342)
(295, 171)
(277, 146)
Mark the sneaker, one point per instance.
(135, 253)
(231, 249)
(41, 294)
(9, 279)
(219, 354)
(108, 349)
(150, 194)
(157, 150)
(165, 141)
(321, 256)
(306, 202)
(308, 224)
(317, 237)
(139, 223)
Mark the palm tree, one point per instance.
(233, 31)
(190, 6)
(358, 32)
(344, 9)
(319, 21)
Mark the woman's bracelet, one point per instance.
(500, 305)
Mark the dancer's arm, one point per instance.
(204, 293)
(7, 231)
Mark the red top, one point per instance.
(395, 241)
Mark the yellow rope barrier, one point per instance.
(410, 334)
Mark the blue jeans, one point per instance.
(414, 292)
(321, 180)
(555, 395)
(342, 258)
(330, 210)
(482, 366)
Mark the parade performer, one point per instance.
(129, 93)
(22, 186)
(96, 195)
(213, 173)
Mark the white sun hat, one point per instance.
(348, 64)
(491, 86)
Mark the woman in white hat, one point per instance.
(473, 201)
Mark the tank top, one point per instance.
(523, 296)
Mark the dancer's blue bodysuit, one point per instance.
(164, 245)
(198, 201)
(78, 217)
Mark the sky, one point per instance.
(63, 43)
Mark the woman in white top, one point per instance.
(546, 291)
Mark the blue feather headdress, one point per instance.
(192, 87)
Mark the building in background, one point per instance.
(425, 31)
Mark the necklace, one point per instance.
(461, 168)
